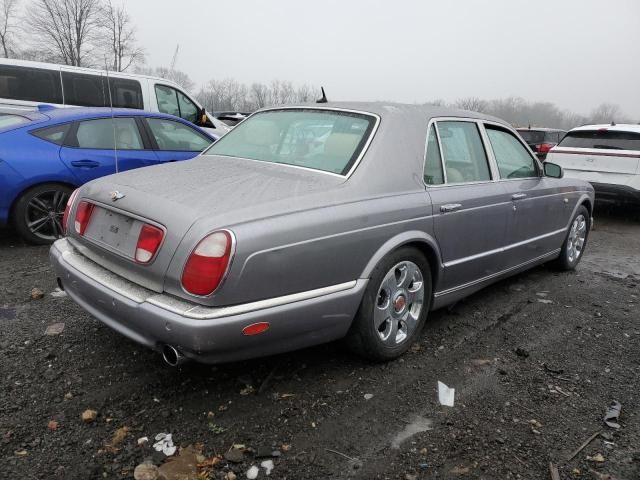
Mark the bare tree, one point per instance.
(474, 104)
(606, 113)
(7, 14)
(67, 28)
(120, 35)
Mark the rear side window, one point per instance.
(54, 134)
(172, 135)
(433, 163)
(464, 157)
(125, 93)
(602, 139)
(84, 90)
(512, 158)
(30, 84)
(100, 133)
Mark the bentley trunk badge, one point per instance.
(116, 195)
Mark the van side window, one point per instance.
(30, 84)
(176, 103)
(465, 159)
(84, 90)
(125, 93)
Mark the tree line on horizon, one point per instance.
(99, 33)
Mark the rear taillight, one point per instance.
(545, 147)
(149, 241)
(83, 215)
(208, 263)
(65, 217)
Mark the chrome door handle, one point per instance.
(518, 196)
(450, 207)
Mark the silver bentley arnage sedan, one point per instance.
(311, 223)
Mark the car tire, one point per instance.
(394, 307)
(37, 214)
(575, 241)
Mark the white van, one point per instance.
(608, 156)
(24, 85)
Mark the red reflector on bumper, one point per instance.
(255, 328)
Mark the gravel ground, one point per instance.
(535, 360)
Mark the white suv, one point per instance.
(607, 156)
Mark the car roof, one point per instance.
(539, 129)
(619, 127)
(391, 109)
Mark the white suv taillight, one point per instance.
(149, 241)
(83, 215)
(208, 263)
(67, 209)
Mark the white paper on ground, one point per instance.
(445, 394)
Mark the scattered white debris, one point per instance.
(268, 466)
(164, 444)
(54, 329)
(58, 293)
(253, 472)
(368, 396)
(419, 424)
(445, 394)
(143, 440)
(544, 300)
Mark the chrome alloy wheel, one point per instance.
(43, 215)
(577, 237)
(399, 303)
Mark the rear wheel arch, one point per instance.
(31, 187)
(416, 239)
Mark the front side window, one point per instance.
(176, 103)
(84, 90)
(512, 157)
(9, 120)
(54, 134)
(326, 140)
(170, 135)
(30, 84)
(464, 157)
(100, 134)
(602, 139)
(433, 164)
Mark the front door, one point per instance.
(536, 222)
(470, 209)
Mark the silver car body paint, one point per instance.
(307, 241)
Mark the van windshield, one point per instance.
(326, 140)
(9, 120)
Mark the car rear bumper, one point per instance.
(615, 193)
(206, 334)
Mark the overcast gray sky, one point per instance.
(575, 53)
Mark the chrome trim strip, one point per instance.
(494, 275)
(502, 249)
(208, 313)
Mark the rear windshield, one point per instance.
(8, 120)
(326, 140)
(602, 139)
(531, 136)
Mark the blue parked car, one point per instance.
(46, 154)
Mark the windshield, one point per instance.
(326, 140)
(602, 139)
(9, 120)
(531, 136)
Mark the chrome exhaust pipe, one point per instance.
(172, 356)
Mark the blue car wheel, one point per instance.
(38, 213)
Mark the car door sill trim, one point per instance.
(494, 275)
(503, 249)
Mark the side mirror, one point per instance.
(552, 170)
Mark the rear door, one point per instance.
(470, 207)
(536, 220)
(175, 140)
(98, 147)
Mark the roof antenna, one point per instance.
(113, 121)
(613, 124)
(323, 99)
